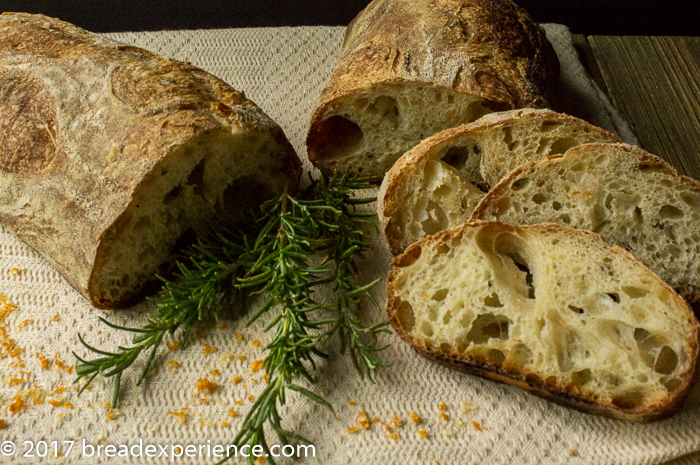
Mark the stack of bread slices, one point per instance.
(536, 249)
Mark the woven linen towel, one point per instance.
(284, 70)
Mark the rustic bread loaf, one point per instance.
(411, 68)
(110, 156)
(437, 184)
(628, 196)
(552, 310)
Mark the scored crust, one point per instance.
(565, 394)
(103, 129)
(489, 50)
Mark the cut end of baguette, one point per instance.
(217, 177)
(549, 309)
(368, 130)
(628, 196)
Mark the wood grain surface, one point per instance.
(655, 84)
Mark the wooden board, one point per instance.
(655, 84)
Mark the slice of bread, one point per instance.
(411, 68)
(628, 196)
(437, 184)
(550, 309)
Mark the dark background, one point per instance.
(613, 17)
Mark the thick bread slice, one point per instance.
(437, 184)
(628, 196)
(411, 68)
(552, 310)
(109, 154)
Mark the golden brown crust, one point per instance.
(490, 49)
(566, 394)
(95, 119)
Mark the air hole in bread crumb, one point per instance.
(440, 295)
(666, 361)
(426, 328)
(539, 198)
(581, 378)
(387, 108)
(549, 126)
(520, 184)
(493, 301)
(196, 179)
(436, 220)
(458, 156)
(443, 249)
(406, 316)
(488, 326)
(561, 146)
(691, 199)
(638, 217)
(669, 212)
(578, 310)
(629, 399)
(496, 357)
(337, 137)
(445, 347)
(565, 218)
(172, 195)
(634, 292)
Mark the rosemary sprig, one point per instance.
(204, 288)
(301, 243)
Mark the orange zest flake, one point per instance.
(17, 405)
(38, 400)
(113, 414)
(443, 407)
(266, 378)
(15, 352)
(179, 415)
(173, 363)
(363, 420)
(207, 349)
(14, 381)
(70, 369)
(222, 326)
(55, 403)
(261, 460)
(238, 402)
(224, 424)
(478, 427)
(204, 385)
(423, 433)
(239, 336)
(352, 402)
(397, 422)
(3, 425)
(251, 398)
(232, 413)
(68, 405)
(257, 365)
(173, 345)
(242, 357)
(15, 271)
(352, 430)
(444, 416)
(24, 322)
(55, 317)
(215, 373)
(59, 390)
(256, 343)
(44, 362)
(236, 379)
(58, 361)
(415, 418)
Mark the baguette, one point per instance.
(437, 184)
(111, 157)
(628, 196)
(553, 310)
(411, 68)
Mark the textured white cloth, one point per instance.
(283, 70)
